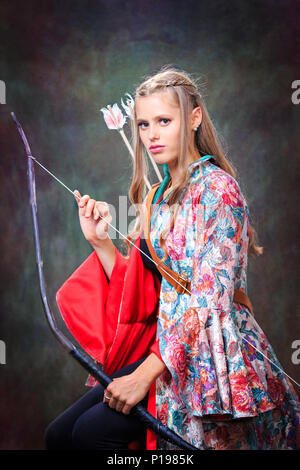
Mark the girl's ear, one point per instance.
(196, 117)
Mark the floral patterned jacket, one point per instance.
(215, 352)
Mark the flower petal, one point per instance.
(120, 118)
(108, 119)
(128, 106)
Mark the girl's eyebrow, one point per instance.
(156, 117)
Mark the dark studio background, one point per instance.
(61, 62)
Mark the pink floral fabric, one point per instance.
(220, 390)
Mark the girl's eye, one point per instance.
(140, 124)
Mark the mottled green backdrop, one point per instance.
(61, 62)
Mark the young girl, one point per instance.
(195, 357)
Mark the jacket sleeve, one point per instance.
(155, 349)
(87, 298)
(221, 242)
(201, 349)
(113, 320)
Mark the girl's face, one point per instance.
(158, 119)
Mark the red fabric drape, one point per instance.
(114, 320)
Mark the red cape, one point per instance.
(114, 320)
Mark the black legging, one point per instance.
(90, 424)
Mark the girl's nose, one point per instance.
(153, 132)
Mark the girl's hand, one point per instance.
(125, 392)
(91, 214)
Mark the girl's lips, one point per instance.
(156, 149)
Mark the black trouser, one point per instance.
(92, 425)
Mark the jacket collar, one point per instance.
(197, 162)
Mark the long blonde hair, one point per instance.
(186, 94)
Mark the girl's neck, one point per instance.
(173, 166)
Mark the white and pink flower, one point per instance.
(113, 117)
(129, 106)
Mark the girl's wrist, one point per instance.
(100, 242)
(150, 369)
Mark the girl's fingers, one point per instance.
(96, 209)
(89, 207)
(77, 195)
(96, 213)
(84, 200)
(101, 209)
(99, 214)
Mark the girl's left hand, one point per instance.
(125, 392)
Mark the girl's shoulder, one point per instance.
(216, 182)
